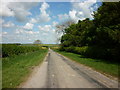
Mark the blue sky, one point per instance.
(25, 22)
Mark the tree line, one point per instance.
(97, 38)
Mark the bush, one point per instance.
(102, 53)
(94, 52)
(69, 49)
(80, 50)
(12, 49)
(62, 48)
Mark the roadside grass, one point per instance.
(102, 66)
(16, 69)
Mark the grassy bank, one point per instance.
(16, 69)
(99, 65)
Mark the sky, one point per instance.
(25, 22)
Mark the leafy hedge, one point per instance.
(93, 52)
(12, 49)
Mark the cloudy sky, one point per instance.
(25, 22)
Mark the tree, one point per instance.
(37, 42)
(60, 29)
(107, 21)
(101, 32)
(63, 26)
(108, 14)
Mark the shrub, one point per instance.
(69, 49)
(12, 49)
(80, 50)
(94, 52)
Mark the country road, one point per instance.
(57, 71)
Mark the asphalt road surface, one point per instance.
(58, 71)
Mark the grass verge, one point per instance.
(16, 69)
(102, 66)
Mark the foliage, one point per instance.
(108, 14)
(37, 42)
(101, 35)
(13, 49)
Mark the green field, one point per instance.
(16, 68)
(102, 66)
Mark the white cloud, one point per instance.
(45, 34)
(4, 33)
(32, 32)
(21, 36)
(75, 15)
(5, 10)
(22, 31)
(33, 20)
(28, 26)
(18, 9)
(1, 21)
(21, 10)
(45, 28)
(8, 24)
(63, 16)
(44, 7)
(82, 10)
(17, 31)
(72, 14)
(54, 23)
(44, 16)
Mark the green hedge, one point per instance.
(94, 52)
(12, 49)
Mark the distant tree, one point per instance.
(37, 42)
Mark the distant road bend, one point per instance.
(57, 71)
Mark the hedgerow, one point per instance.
(12, 49)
